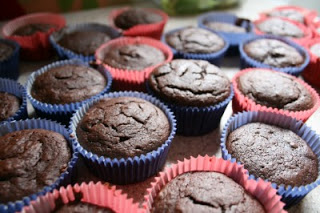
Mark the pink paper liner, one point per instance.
(307, 31)
(124, 79)
(312, 72)
(153, 30)
(98, 194)
(241, 102)
(305, 12)
(260, 189)
(36, 46)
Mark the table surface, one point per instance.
(184, 147)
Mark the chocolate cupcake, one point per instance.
(36, 157)
(82, 40)
(209, 184)
(136, 16)
(124, 137)
(274, 53)
(9, 59)
(288, 13)
(195, 90)
(196, 43)
(122, 127)
(268, 90)
(57, 90)
(274, 147)
(204, 192)
(13, 104)
(134, 57)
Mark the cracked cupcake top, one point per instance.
(204, 192)
(30, 160)
(133, 56)
(123, 127)
(136, 16)
(273, 153)
(225, 27)
(190, 83)
(280, 27)
(288, 13)
(195, 40)
(67, 84)
(9, 105)
(275, 89)
(273, 52)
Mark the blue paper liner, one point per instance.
(16, 89)
(65, 178)
(290, 195)
(9, 68)
(247, 62)
(61, 112)
(193, 121)
(125, 170)
(213, 58)
(65, 53)
(234, 38)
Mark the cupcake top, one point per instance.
(123, 127)
(135, 16)
(67, 84)
(273, 153)
(9, 105)
(275, 89)
(83, 42)
(80, 207)
(288, 13)
(31, 29)
(204, 192)
(6, 51)
(280, 27)
(195, 40)
(315, 49)
(30, 160)
(225, 27)
(273, 52)
(133, 56)
(190, 83)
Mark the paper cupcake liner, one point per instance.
(260, 189)
(9, 68)
(194, 121)
(65, 53)
(153, 30)
(234, 38)
(36, 46)
(312, 72)
(60, 112)
(214, 58)
(305, 12)
(16, 89)
(247, 62)
(124, 79)
(243, 103)
(64, 179)
(129, 170)
(290, 195)
(307, 31)
(97, 194)
(313, 22)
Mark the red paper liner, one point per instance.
(307, 31)
(260, 189)
(241, 102)
(153, 30)
(93, 193)
(37, 45)
(305, 12)
(312, 72)
(124, 79)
